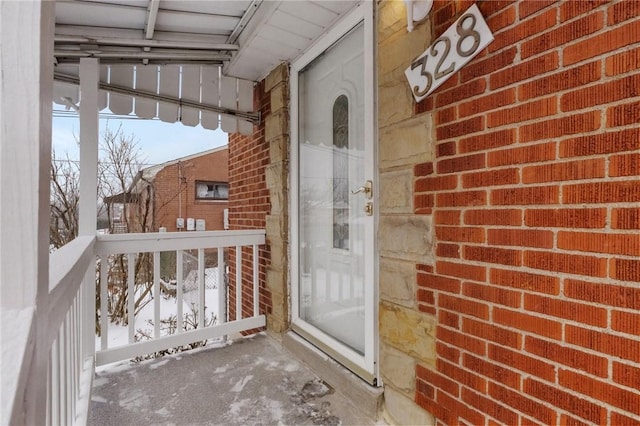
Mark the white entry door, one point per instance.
(334, 294)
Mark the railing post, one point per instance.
(131, 296)
(238, 282)
(179, 278)
(256, 282)
(222, 288)
(156, 294)
(201, 287)
(104, 302)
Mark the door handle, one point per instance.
(367, 188)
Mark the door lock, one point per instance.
(367, 188)
(368, 208)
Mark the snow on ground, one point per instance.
(118, 335)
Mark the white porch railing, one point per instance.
(71, 332)
(132, 244)
(72, 301)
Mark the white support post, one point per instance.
(26, 90)
(88, 210)
(89, 129)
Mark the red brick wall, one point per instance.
(535, 194)
(169, 188)
(249, 203)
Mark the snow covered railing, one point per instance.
(131, 264)
(70, 332)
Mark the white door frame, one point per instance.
(365, 366)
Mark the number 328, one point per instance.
(457, 46)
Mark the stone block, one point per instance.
(398, 369)
(397, 49)
(276, 227)
(407, 237)
(278, 198)
(397, 281)
(407, 143)
(276, 281)
(276, 324)
(400, 410)
(409, 331)
(278, 75)
(395, 102)
(276, 125)
(279, 97)
(396, 192)
(392, 18)
(276, 176)
(279, 149)
(279, 313)
(279, 253)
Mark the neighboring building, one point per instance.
(168, 195)
(506, 204)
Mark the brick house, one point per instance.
(508, 244)
(466, 245)
(193, 187)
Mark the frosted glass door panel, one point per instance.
(331, 165)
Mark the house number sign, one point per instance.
(460, 43)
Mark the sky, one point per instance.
(158, 141)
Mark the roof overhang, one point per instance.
(193, 61)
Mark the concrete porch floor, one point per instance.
(253, 381)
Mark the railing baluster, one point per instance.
(63, 377)
(49, 419)
(131, 285)
(179, 277)
(55, 382)
(256, 290)
(72, 357)
(80, 344)
(156, 294)
(238, 282)
(68, 372)
(104, 302)
(222, 294)
(201, 286)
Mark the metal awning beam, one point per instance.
(213, 57)
(253, 117)
(95, 33)
(150, 20)
(142, 43)
(246, 17)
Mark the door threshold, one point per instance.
(362, 395)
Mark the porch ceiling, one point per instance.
(249, 37)
(192, 61)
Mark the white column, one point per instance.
(88, 210)
(26, 86)
(89, 77)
